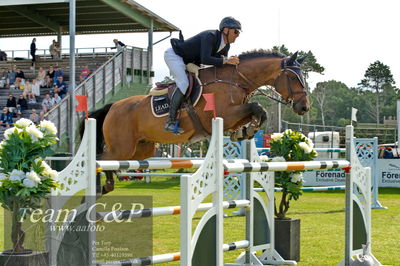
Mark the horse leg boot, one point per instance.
(171, 124)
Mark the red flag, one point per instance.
(82, 104)
(210, 103)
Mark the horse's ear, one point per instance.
(301, 60)
(292, 59)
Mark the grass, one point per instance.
(321, 214)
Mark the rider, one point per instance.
(209, 48)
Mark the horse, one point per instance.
(129, 130)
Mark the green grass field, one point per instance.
(321, 214)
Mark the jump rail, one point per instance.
(204, 246)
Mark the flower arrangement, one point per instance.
(290, 146)
(25, 178)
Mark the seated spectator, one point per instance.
(388, 154)
(11, 103)
(18, 113)
(50, 77)
(84, 73)
(27, 89)
(11, 76)
(41, 77)
(6, 118)
(35, 90)
(22, 102)
(46, 105)
(34, 117)
(57, 99)
(58, 72)
(3, 56)
(3, 78)
(60, 87)
(19, 78)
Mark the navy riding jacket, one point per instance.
(201, 48)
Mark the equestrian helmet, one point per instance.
(231, 23)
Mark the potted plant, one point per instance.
(289, 146)
(25, 178)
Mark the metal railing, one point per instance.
(108, 78)
(44, 54)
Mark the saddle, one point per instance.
(162, 93)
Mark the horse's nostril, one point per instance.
(305, 108)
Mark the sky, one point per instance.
(345, 36)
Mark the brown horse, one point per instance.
(130, 130)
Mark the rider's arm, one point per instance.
(207, 41)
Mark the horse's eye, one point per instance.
(293, 78)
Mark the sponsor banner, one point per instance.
(388, 171)
(330, 177)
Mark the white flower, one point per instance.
(2, 176)
(288, 131)
(1, 145)
(34, 133)
(16, 175)
(264, 158)
(32, 175)
(296, 177)
(23, 122)
(278, 159)
(29, 183)
(10, 131)
(276, 136)
(304, 146)
(48, 127)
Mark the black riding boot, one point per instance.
(175, 103)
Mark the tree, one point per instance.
(320, 95)
(379, 79)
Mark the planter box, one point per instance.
(287, 238)
(33, 259)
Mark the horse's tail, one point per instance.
(99, 115)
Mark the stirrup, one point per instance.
(173, 127)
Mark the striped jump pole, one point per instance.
(164, 211)
(328, 188)
(170, 257)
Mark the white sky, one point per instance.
(346, 36)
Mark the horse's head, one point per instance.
(290, 84)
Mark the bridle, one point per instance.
(284, 71)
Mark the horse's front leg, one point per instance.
(236, 118)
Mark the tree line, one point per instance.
(375, 96)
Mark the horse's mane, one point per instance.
(260, 53)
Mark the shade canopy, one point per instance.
(21, 18)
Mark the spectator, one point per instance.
(58, 72)
(84, 73)
(33, 51)
(50, 77)
(118, 45)
(46, 105)
(19, 78)
(34, 117)
(11, 76)
(60, 87)
(41, 77)
(54, 50)
(6, 118)
(3, 78)
(35, 88)
(3, 56)
(11, 103)
(19, 111)
(27, 89)
(388, 154)
(58, 50)
(23, 103)
(57, 99)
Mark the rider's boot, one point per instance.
(171, 124)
